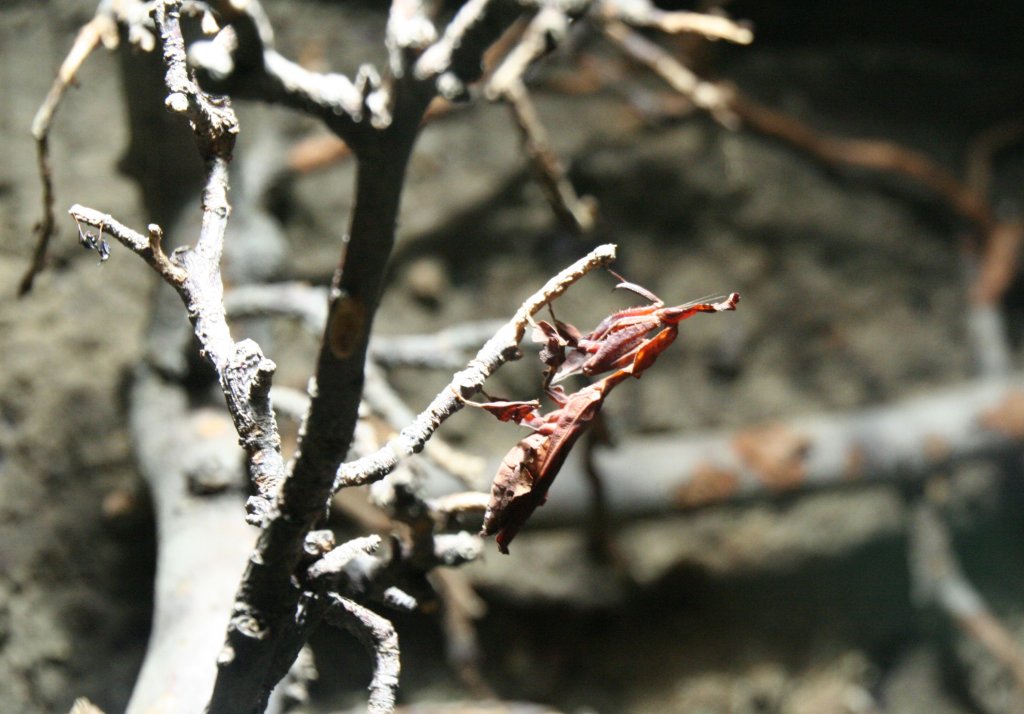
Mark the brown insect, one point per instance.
(619, 343)
(619, 338)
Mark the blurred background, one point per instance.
(879, 330)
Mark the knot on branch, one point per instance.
(259, 511)
(244, 622)
(251, 369)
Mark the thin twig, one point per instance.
(498, 350)
(939, 580)
(546, 30)
(380, 639)
(101, 28)
(148, 248)
(643, 13)
(871, 154)
(297, 301)
(444, 349)
(714, 98)
(576, 213)
(462, 608)
(383, 400)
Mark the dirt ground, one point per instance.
(853, 290)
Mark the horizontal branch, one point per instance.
(643, 13)
(903, 440)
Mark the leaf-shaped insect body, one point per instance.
(621, 342)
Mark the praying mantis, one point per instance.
(621, 344)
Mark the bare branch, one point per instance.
(306, 303)
(576, 213)
(241, 61)
(324, 572)
(462, 502)
(462, 607)
(903, 440)
(545, 31)
(148, 248)
(82, 705)
(409, 32)
(643, 13)
(548, 28)
(713, 98)
(243, 371)
(444, 349)
(213, 120)
(383, 400)
(454, 61)
(498, 350)
(101, 28)
(870, 154)
(939, 580)
(380, 639)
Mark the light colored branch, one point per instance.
(545, 31)
(101, 28)
(576, 213)
(306, 303)
(444, 349)
(498, 350)
(203, 541)
(383, 400)
(462, 608)
(903, 440)
(714, 98)
(244, 373)
(409, 32)
(242, 62)
(148, 248)
(643, 13)
(939, 581)
(327, 568)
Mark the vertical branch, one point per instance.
(243, 371)
(941, 582)
(99, 28)
(380, 639)
(265, 607)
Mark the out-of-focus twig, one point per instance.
(643, 13)
(716, 99)
(940, 582)
(903, 440)
(545, 31)
(874, 154)
(994, 265)
(462, 607)
(101, 28)
(576, 213)
(381, 641)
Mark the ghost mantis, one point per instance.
(621, 344)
